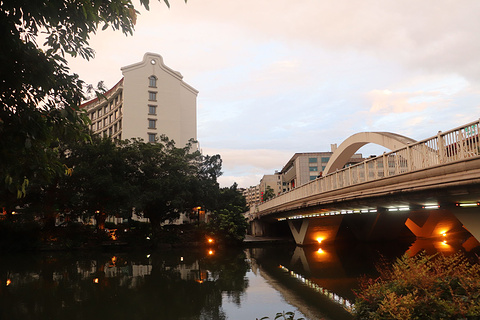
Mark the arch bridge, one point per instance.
(431, 186)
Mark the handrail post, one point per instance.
(409, 159)
(365, 169)
(441, 148)
(385, 165)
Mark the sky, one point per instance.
(280, 77)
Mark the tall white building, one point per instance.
(150, 100)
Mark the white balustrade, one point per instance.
(446, 147)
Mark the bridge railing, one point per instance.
(454, 145)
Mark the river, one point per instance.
(314, 282)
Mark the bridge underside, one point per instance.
(432, 213)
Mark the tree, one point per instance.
(268, 194)
(171, 180)
(39, 97)
(100, 182)
(228, 224)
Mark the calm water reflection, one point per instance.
(314, 282)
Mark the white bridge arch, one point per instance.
(347, 149)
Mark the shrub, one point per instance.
(422, 287)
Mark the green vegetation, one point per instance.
(159, 180)
(268, 194)
(422, 287)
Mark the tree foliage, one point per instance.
(268, 194)
(422, 287)
(39, 96)
(228, 224)
(172, 180)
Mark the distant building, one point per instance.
(150, 100)
(252, 195)
(299, 170)
(305, 167)
(274, 181)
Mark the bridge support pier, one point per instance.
(258, 228)
(470, 218)
(309, 231)
(433, 223)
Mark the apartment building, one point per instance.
(150, 100)
(305, 167)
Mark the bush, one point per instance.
(422, 287)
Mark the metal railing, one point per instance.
(446, 147)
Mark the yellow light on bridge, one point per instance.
(210, 240)
(320, 251)
(9, 282)
(210, 252)
(95, 280)
(319, 239)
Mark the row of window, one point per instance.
(107, 108)
(315, 160)
(112, 130)
(315, 168)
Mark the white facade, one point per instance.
(149, 101)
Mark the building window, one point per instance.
(105, 109)
(312, 160)
(99, 113)
(323, 168)
(325, 159)
(152, 81)
(313, 168)
(152, 137)
(152, 96)
(152, 124)
(313, 178)
(152, 109)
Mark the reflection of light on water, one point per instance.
(346, 304)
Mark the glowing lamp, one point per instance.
(319, 240)
(210, 240)
(95, 280)
(210, 252)
(9, 282)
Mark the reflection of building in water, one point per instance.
(194, 272)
